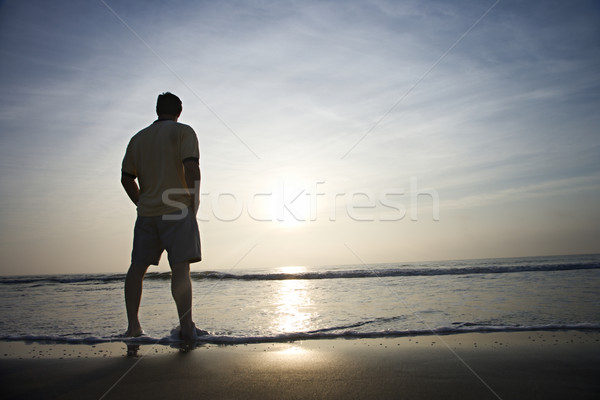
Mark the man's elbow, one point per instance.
(196, 173)
(126, 180)
(192, 170)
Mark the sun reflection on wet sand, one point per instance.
(293, 351)
(293, 302)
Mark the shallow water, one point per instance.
(346, 301)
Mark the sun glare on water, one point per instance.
(293, 303)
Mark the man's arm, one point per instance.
(131, 187)
(192, 179)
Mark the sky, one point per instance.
(331, 132)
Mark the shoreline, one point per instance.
(48, 349)
(219, 340)
(537, 364)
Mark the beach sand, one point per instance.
(518, 365)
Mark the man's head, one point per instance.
(168, 105)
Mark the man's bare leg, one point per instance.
(181, 289)
(133, 296)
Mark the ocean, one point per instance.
(304, 302)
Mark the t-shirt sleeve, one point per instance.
(189, 145)
(128, 166)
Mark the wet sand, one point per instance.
(519, 365)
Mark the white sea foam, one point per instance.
(347, 334)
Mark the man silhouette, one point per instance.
(164, 158)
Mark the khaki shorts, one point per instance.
(179, 236)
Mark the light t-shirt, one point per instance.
(155, 156)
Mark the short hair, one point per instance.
(168, 103)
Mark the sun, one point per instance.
(288, 221)
(290, 206)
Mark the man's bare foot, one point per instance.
(201, 332)
(192, 334)
(134, 332)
